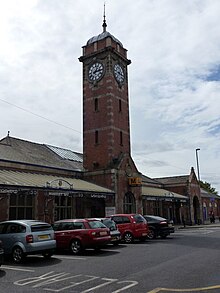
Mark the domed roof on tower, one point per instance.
(104, 34)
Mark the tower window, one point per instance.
(121, 138)
(119, 105)
(96, 137)
(96, 104)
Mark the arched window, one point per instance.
(129, 203)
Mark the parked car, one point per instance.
(114, 232)
(159, 226)
(1, 253)
(79, 234)
(131, 226)
(25, 237)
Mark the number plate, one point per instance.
(43, 237)
(103, 233)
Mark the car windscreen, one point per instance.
(96, 224)
(41, 227)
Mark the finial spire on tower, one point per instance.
(104, 25)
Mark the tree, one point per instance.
(207, 186)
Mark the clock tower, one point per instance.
(106, 130)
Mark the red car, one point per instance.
(131, 226)
(78, 234)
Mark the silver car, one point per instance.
(25, 237)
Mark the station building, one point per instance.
(50, 183)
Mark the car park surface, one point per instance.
(79, 234)
(159, 226)
(131, 226)
(144, 267)
(25, 237)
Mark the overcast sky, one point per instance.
(174, 77)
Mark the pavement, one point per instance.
(206, 224)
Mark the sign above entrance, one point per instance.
(134, 181)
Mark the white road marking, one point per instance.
(17, 269)
(73, 284)
(70, 257)
(133, 283)
(47, 276)
(48, 280)
(108, 281)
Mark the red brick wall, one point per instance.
(108, 121)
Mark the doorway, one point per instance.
(196, 210)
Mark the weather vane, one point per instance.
(104, 21)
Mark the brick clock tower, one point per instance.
(106, 131)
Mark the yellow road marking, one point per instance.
(156, 290)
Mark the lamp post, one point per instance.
(197, 161)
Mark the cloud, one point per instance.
(174, 85)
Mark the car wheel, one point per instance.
(76, 246)
(18, 255)
(47, 254)
(128, 237)
(151, 234)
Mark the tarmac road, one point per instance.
(180, 263)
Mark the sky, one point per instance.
(174, 77)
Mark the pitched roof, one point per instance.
(151, 181)
(160, 192)
(207, 194)
(22, 179)
(173, 180)
(22, 151)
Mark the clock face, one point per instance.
(119, 73)
(96, 71)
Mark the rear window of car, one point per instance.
(41, 227)
(139, 219)
(153, 218)
(68, 226)
(96, 224)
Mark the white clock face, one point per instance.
(96, 71)
(119, 73)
